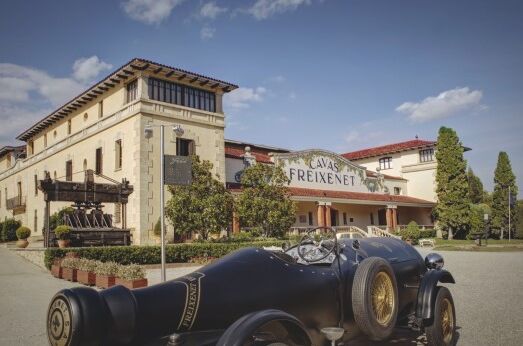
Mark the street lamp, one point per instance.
(148, 133)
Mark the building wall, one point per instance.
(140, 156)
(421, 182)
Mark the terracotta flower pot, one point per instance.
(103, 281)
(63, 243)
(56, 271)
(86, 278)
(22, 243)
(69, 274)
(137, 283)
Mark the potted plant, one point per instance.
(56, 268)
(70, 268)
(105, 273)
(131, 276)
(63, 233)
(22, 233)
(85, 274)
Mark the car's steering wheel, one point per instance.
(315, 247)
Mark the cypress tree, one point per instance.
(503, 179)
(476, 192)
(453, 208)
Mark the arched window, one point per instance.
(85, 164)
(386, 163)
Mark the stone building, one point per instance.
(102, 129)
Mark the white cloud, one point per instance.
(28, 94)
(242, 98)
(85, 69)
(263, 9)
(207, 33)
(444, 105)
(19, 81)
(211, 10)
(150, 11)
(352, 136)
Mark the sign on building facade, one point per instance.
(320, 169)
(177, 170)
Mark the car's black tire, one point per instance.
(375, 310)
(444, 317)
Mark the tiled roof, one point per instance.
(9, 148)
(236, 150)
(386, 176)
(297, 191)
(388, 149)
(238, 153)
(121, 75)
(361, 196)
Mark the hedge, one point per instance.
(175, 253)
(427, 233)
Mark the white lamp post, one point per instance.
(148, 132)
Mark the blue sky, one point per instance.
(333, 74)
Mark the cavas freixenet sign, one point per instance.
(320, 169)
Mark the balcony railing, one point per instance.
(16, 204)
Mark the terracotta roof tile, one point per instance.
(388, 149)
(237, 153)
(296, 191)
(376, 197)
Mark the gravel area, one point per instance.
(488, 297)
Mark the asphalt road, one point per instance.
(488, 297)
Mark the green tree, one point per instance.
(476, 192)
(504, 179)
(477, 218)
(203, 207)
(453, 208)
(519, 225)
(264, 202)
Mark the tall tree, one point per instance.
(203, 207)
(264, 202)
(504, 179)
(476, 192)
(453, 208)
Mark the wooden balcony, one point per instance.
(16, 204)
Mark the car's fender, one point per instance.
(245, 326)
(427, 291)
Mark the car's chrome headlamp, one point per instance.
(434, 261)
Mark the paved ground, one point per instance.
(488, 297)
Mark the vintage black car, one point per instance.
(319, 290)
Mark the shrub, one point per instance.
(62, 232)
(9, 229)
(87, 265)
(157, 228)
(175, 253)
(23, 232)
(131, 272)
(106, 268)
(427, 233)
(412, 232)
(57, 218)
(71, 262)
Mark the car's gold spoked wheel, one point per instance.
(447, 321)
(382, 294)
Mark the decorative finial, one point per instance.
(416, 136)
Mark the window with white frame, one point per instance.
(426, 155)
(386, 163)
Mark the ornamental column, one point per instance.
(328, 220)
(392, 219)
(321, 215)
